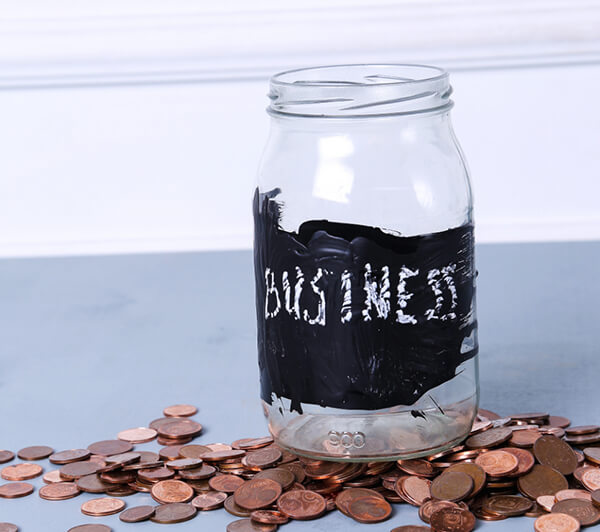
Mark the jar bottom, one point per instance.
(370, 437)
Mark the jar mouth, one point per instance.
(358, 90)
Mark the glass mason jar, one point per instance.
(365, 276)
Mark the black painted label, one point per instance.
(352, 317)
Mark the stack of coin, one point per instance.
(530, 464)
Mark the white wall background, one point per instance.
(122, 121)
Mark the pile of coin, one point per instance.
(533, 465)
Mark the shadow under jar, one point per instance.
(364, 265)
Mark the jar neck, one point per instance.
(360, 91)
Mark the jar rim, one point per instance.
(360, 90)
(440, 74)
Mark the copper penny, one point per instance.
(489, 438)
(198, 473)
(92, 484)
(90, 528)
(76, 470)
(541, 480)
(6, 456)
(564, 495)
(247, 525)
(343, 499)
(110, 447)
(584, 511)
(226, 483)
(546, 502)
(171, 452)
(137, 435)
(555, 522)
(184, 463)
(370, 509)
(8, 527)
(497, 463)
(219, 447)
(595, 495)
(453, 520)
(52, 477)
(285, 477)
(220, 456)
(420, 468)
(37, 452)
(559, 421)
(474, 471)
(323, 470)
(301, 504)
(416, 489)
(23, 471)
(592, 454)
(71, 455)
(430, 506)
(551, 451)
(261, 459)
(209, 500)
(452, 486)
(170, 491)
(582, 429)
(15, 490)
(252, 443)
(180, 428)
(194, 451)
(173, 513)
(155, 474)
(269, 517)
(257, 493)
(137, 514)
(102, 506)
(59, 491)
(180, 411)
(525, 438)
(525, 458)
(508, 505)
(234, 509)
(591, 479)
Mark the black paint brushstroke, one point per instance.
(358, 365)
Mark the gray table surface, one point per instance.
(91, 346)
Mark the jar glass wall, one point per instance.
(364, 265)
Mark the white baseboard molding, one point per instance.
(485, 233)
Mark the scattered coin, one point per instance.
(489, 438)
(137, 435)
(155, 474)
(90, 528)
(8, 527)
(52, 477)
(269, 517)
(180, 411)
(563, 495)
(302, 504)
(172, 491)
(584, 511)
(452, 486)
(6, 456)
(414, 490)
(555, 522)
(453, 520)
(173, 513)
(369, 509)
(24, 471)
(261, 459)
(554, 452)
(411, 528)
(591, 479)
(582, 429)
(137, 514)
(497, 463)
(59, 491)
(592, 454)
(541, 480)
(226, 483)
(71, 455)
(93, 484)
(234, 509)
(76, 470)
(508, 505)
(178, 428)
(285, 477)
(184, 463)
(102, 506)
(110, 447)
(252, 443)
(546, 502)
(525, 438)
(257, 494)
(247, 525)
(14, 490)
(193, 451)
(209, 500)
(37, 452)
